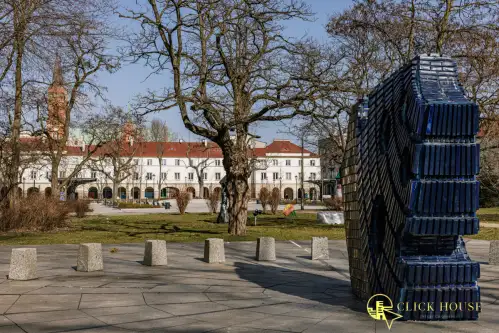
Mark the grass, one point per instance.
(489, 215)
(174, 228)
(196, 228)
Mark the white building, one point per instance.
(279, 166)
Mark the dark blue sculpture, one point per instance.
(410, 191)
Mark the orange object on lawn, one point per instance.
(288, 209)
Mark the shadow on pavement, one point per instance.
(288, 282)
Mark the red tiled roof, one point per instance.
(194, 149)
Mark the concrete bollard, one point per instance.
(320, 249)
(90, 258)
(155, 253)
(265, 249)
(214, 250)
(494, 253)
(22, 264)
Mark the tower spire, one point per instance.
(57, 74)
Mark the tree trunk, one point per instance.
(16, 124)
(115, 190)
(54, 181)
(239, 195)
(201, 187)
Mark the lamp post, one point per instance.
(153, 183)
(280, 185)
(296, 188)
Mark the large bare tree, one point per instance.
(232, 67)
(121, 133)
(159, 133)
(32, 31)
(199, 157)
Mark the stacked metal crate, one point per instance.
(410, 190)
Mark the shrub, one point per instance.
(275, 199)
(80, 207)
(213, 201)
(34, 214)
(182, 197)
(264, 198)
(335, 203)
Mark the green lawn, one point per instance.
(489, 215)
(174, 228)
(190, 228)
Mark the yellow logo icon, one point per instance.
(380, 307)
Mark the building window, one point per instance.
(149, 161)
(275, 176)
(288, 162)
(312, 162)
(275, 162)
(263, 175)
(191, 175)
(33, 175)
(177, 162)
(312, 176)
(62, 174)
(299, 176)
(177, 174)
(149, 176)
(218, 162)
(163, 161)
(164, 175)
(135, 176)
(299, 162)
(288, 175)
(93, 174)
(205, 176)
(136, 162)
(47, 174)
(217, 176)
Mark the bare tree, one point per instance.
(121, 133)
(159, 133)
(199, 158)
(232, 68)
(377, 37)
(31, 32)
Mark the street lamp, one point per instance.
(153, 183)
(296, 188)
(280, 185)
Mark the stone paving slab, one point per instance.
(292, 294)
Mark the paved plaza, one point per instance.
(195, 206)
(292, 294)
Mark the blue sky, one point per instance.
(131, 80)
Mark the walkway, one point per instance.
(292, 294)
(195, 206)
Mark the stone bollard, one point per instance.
(214, 250)
(155, 253)
(265, 249)
(320, 248)
(22, 264)
(90, 258)
(494, 253)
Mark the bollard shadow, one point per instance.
(289, 282)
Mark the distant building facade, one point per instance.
(279, 166)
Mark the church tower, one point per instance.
(57, 102)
